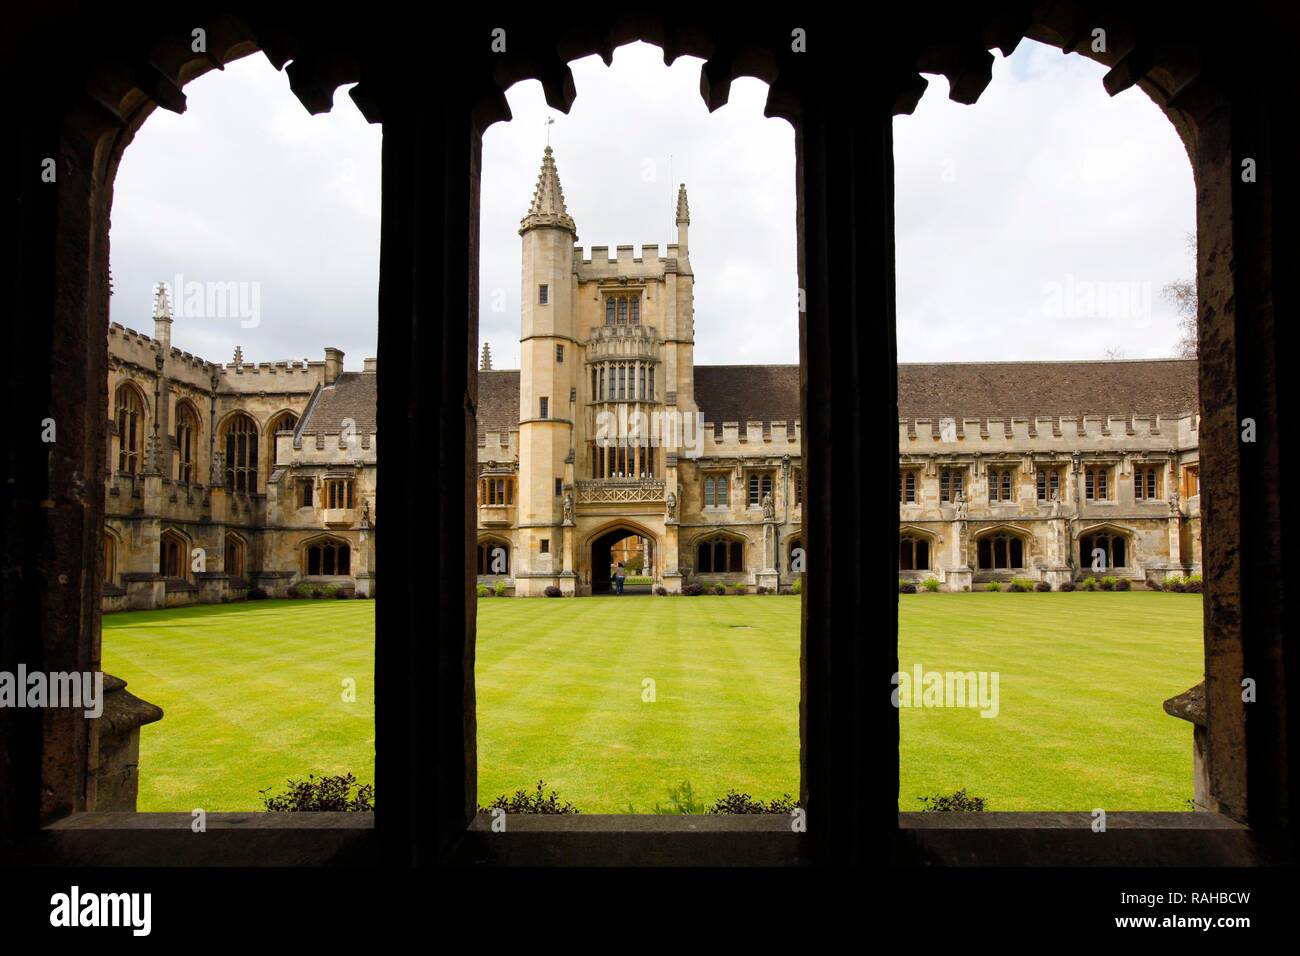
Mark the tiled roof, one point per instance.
(353, 395)
(767, 393)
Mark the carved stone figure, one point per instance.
(769, 507)
(672, 507)
(568, 508)
(961, 506)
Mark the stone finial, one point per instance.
(683, 209)
(486, 364)
(162, 317)
(238, 360)
(547, 207)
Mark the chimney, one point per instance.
(371, 365)
(333, 365)
(162, 317)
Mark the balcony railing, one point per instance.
(603, 490)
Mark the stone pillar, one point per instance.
(1190, 706)
(957, 577)
(117, 773)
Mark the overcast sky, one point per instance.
(1040, 223)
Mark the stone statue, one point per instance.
(365, 513)
(672, 507)
(769, 507)
(960, 505)
(1173, 501)
(568, 508)
(1056, 502)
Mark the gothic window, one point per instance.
(1048, 483)
(913, 553)
(719, 556)
(1001, 551)
(1096, 484)
(601, 381)
(636, 310)
(173, 555)
(1111, 546)
(493, 557)
(187, 427)
(1146, 483)
(543, 294)
(609, 311)
(906, 486)
(234, 566)
(241, 453)
(622, 310)
(545, 410)
(622, 391)
(650, 395)
(496, 490)
(759, 485)
(285, 422)
(328, 557)
(338, 493)
(129, 414)
(716, 491)
(641, 374)
(110, 559)
(559, 353)
(306, 491)
(1000, 484)
(951, 484)
(593, 383)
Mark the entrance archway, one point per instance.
(622, 543)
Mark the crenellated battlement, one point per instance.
(1086, 432)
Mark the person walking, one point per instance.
(619, 577)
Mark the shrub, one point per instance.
(735, 802)
(796, 586)
(500, 589)
(931, 584)
(1108, 582)
(1155, 584)
(719, 588)
(1123, 584)
(360, 595)
(1089, 583)
(316, 593)
(993, 586)
(693, 590)
(293, 591)
(1021, 585)
(482, 590)
(788, 591)
(661, 590)
(906, 587)
(739, 589)
(762, 589)
(553, 591)
(1043, 586)
(342, 593)
(960, 801)
(1193, 584)
(1066, 586)
(256, 594)
(321, 794)
(536, 802)
(681, 799)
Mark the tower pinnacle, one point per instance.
(486, 364)
(547, 207)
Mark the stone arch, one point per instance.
(599, 546)
(130, 416)
(1114, 541)
(286, 419)
(186, 431)
(916, 548)
(175, 549)
(112, 554)
(326, 555)
(239, 440)
(1002, 547)
(235, 555)
(488, 558)
(719, 551)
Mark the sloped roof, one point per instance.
(353, 395)
(767, 393)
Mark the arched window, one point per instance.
(719, 556)
(234, 566)
(328, 556)
(284, 422)
(173, 555)
(241, 453)
(187, 429)
(913, 553)
(493, 557)
(609, 311)
(1000, 484)
(129, 415)
(622, 310)
(1001, 551)
(110, 559)
(636, 310)
(1112, 547)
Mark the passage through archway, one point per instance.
(634, 550)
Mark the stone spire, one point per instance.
(683, 220)
(486, 364)
(162, 317)
(547, 208)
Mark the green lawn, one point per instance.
(253, 696)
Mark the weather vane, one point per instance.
(550, 121)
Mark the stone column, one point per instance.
(117, 772)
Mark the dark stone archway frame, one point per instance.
(1226, 106)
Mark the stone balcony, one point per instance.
(618, 490)
(609, 342)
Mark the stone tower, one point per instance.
(548, 375)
